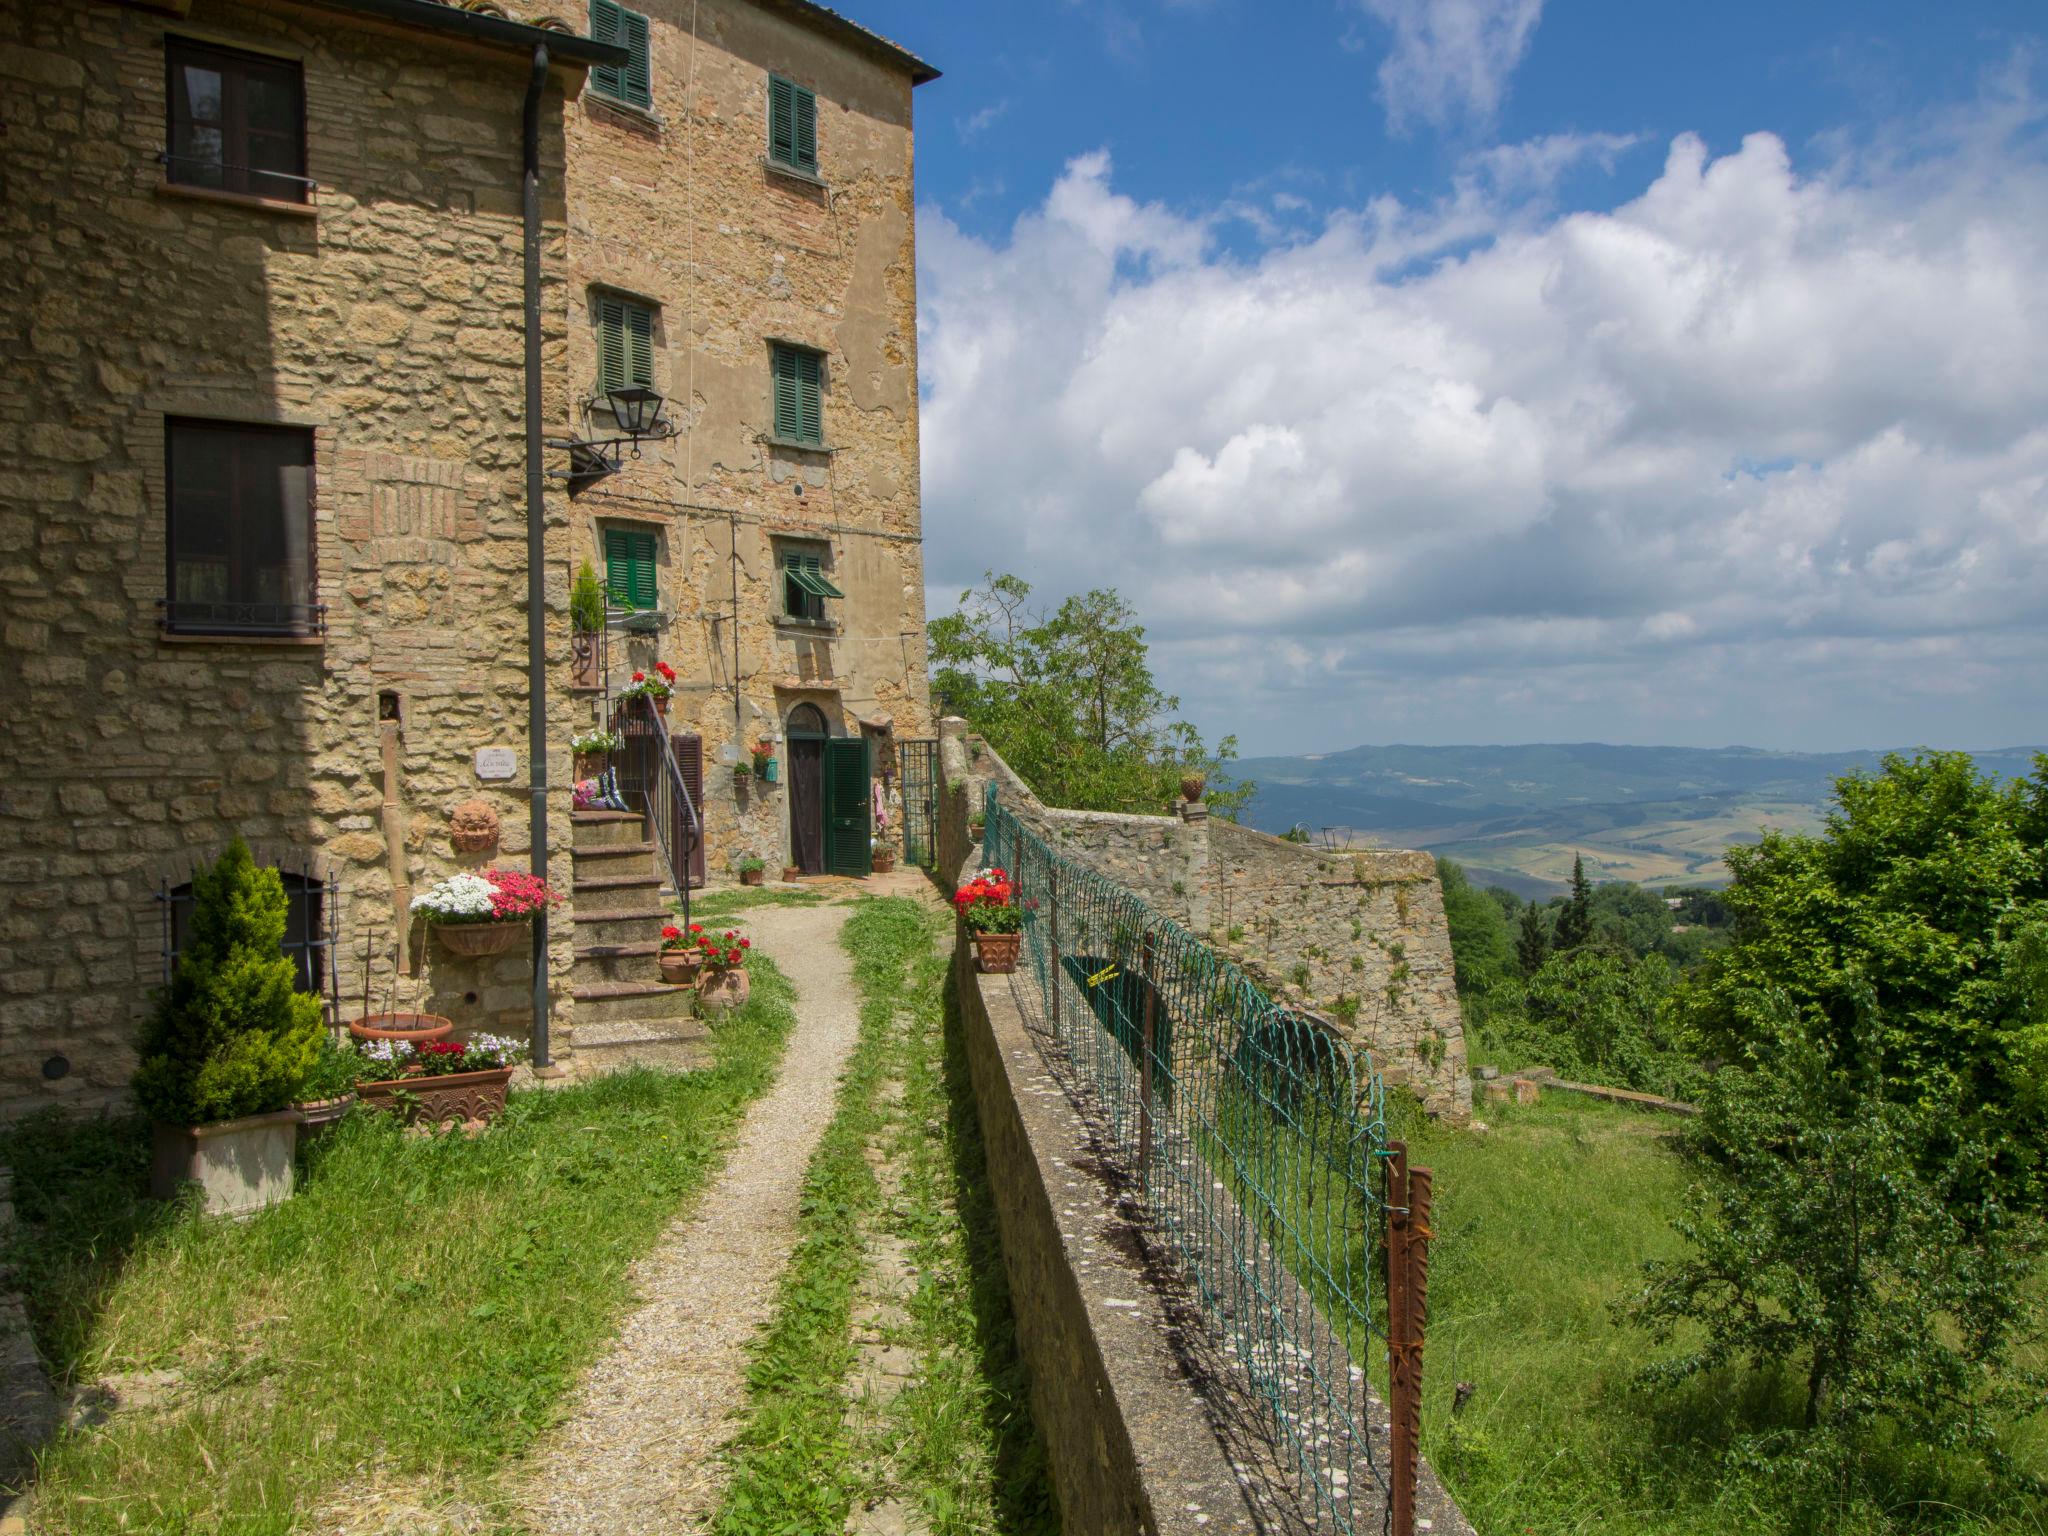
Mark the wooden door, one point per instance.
(848, 814)
(807, 803)
(690, 758)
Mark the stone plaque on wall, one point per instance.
(495, 763)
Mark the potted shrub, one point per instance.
(881, 857)
(682, 954)
(656, 687)
(228, 1045)
(329, 1088)
(586, 623)
(485, 913)
(976, 825)
(726, 984)
(994, 921)
(438, 1082)
(593, 749)
(791, 873)
(750, 868)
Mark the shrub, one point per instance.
(229, 1037)
(586, 602)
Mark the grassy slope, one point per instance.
(421, 1306)
(1539, 1224)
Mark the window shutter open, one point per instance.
(781, 120)
(639, 82)
(605, 16)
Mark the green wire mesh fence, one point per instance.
(1254, 1134)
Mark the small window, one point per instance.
(799, 389)
(237, 121)
(792, 125)
(629, 569)
(240, 529)
(805, 585)
(625, 343)
(632, 81)
(309, 927)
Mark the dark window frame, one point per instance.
(235, 173)
(801, 603)
(312, 932)
(239, 612)
(619, 597)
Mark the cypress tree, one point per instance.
(229, 1036)
(1575, 922)
(1532, 944)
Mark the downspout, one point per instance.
(536, 555)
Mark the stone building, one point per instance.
(264, 513)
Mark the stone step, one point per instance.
(633, 960)
(610, 1002)
(633, 926)
(666, 1044)
(600, 829)
(638, 859)
(616, 893)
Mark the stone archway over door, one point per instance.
(806, 734)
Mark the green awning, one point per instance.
(813, 582)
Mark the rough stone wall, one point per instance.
(676, 208)
(1360, 939)
(389, 321)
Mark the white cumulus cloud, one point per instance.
(1450, 59)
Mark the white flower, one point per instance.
(462, 895)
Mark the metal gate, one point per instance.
(920, 763)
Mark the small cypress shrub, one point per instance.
(229, 1036)
(586, 601)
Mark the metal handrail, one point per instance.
(677, 842)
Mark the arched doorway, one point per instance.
(807, 737)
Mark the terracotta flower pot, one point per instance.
(319, 1116)
(724, 987)
(401, 1026)
(583, 667)
(681, 967)
(791, 873)
(590, 765)
(882, 863)
(995, 954)
(482, 938)
(455, 1098)
(660, 704)
(1191, 787)
(240, 1166)
(751, 876)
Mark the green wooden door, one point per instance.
(847, 849)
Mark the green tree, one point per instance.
(1597, 1016)
(1575, 921)
(1481, 950)
(1068, 698)
(229, 1036)
(1826, 1238)
(1929, 888)
(586, 601)
(1532, 941)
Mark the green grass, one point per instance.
(421, 1306)
(716, 906)
(959, 1441)
(1540, 1223)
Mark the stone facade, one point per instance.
(675, 207)
(1360, 939)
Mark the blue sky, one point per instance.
(1492, 370)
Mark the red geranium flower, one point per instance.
(671, 932)
(639, 677)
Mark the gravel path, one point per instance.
(639, 1452)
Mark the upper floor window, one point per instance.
(237, 121)
(792, 125)
(629, 574)
(625, 343)
(240, 529)
(805, 586)
(799, 378)
(631, 82)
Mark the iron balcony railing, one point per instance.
(182, 617)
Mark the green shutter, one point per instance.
(781, 120)
(639, 345)
(810, 406)
(847, 850)
(788, 393)
(625, 344)
(611, 22)
(629, 569)
(807, 572)
(806, 128)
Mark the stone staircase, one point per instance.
(625, 1014)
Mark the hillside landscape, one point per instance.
(1517, 815)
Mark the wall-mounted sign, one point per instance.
(496, 763)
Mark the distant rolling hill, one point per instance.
(1517, 815)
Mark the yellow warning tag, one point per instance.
(1107, 973)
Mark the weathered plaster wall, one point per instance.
(676, 208)
(389, 322)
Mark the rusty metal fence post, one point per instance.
(1408, 1202)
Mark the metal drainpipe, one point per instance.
(536, 554)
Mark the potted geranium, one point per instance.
(764, 761)
(881, 857)
(228, 1045)
(485, 913)
(682, 954)
(329, 1088)
(592, 749)
(438, 1082)
(994, 921)
(750, 867)
(657, 686)
(726, 984)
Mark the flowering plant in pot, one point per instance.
(750, 868)
(656, 686)
(228, 1045)
(438, 1081)
(881, 857)
(726, 983)
(682, 954)
(485, 913)
(592, 748)
(329, 1087)
(994, 921)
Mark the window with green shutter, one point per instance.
(629, 569)
(805, 586)
(799, 378)
(792, 125)
(625, 343)
(631, 82)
